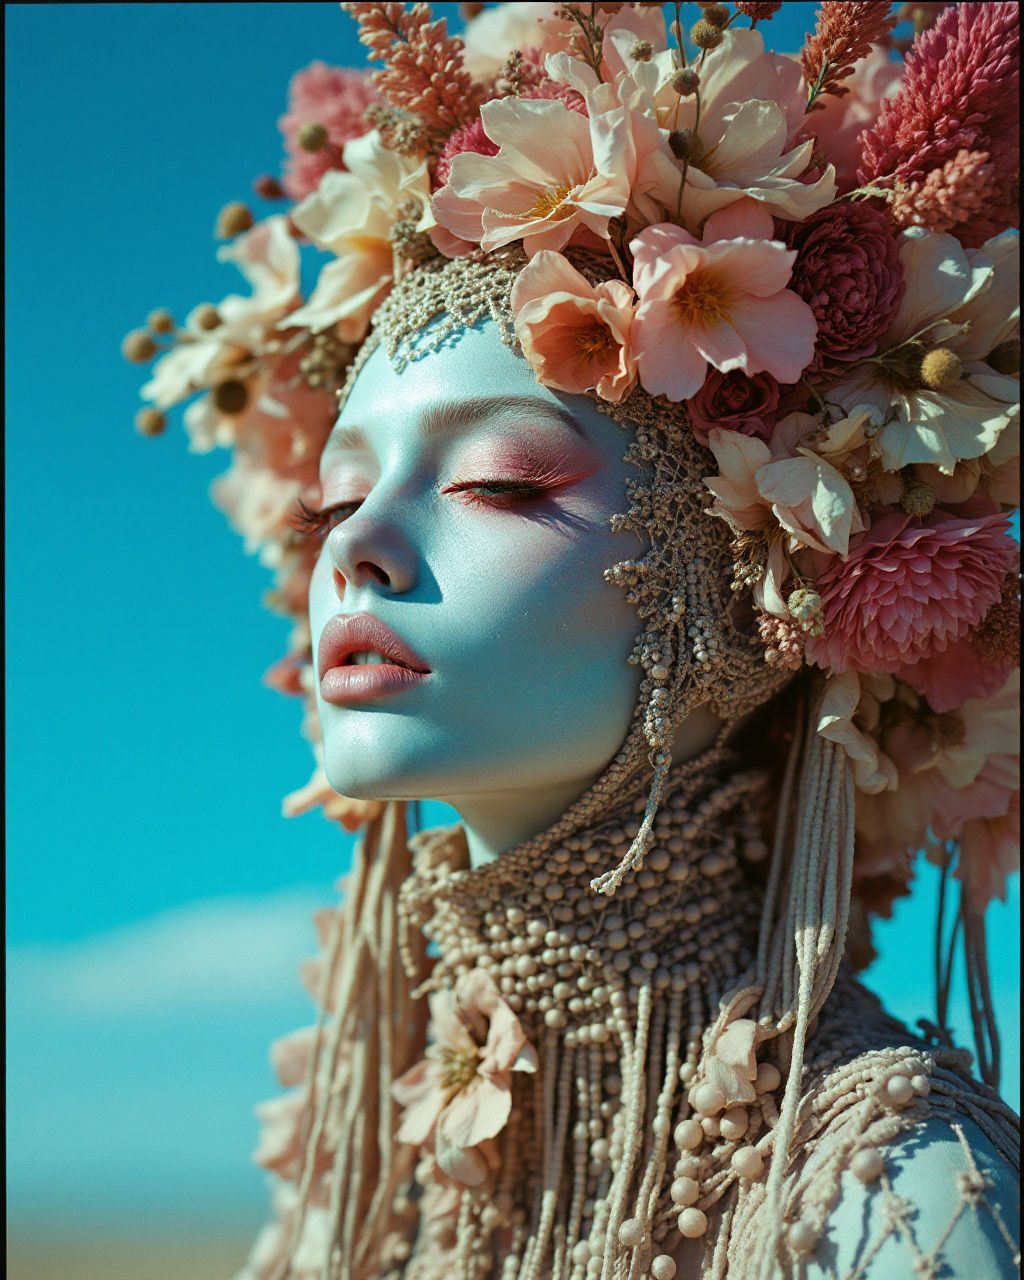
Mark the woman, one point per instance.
(645, 1053)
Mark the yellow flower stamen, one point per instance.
(459, 1067)
(702, 299)
(550, 204)
(595, 341)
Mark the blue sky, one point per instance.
(157, 902)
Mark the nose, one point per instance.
(367, 552)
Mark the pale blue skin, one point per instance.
(530, 694)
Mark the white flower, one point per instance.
(961, 300)
(268, 257)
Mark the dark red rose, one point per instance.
(739, 401)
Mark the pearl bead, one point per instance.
(710, 1126)
(684, 1192)
(708, 1099)
(899, 1090)
(581, 1253)
(663, 1267)
(631, 1232)
(687, 1166)
(688, 1134)
(733, 1125)
(768, 1077)
(802, 1238)
(692, 1224)
(747, 1163)
(921, 1085)
(867, 1164)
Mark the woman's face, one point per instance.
(469, 514)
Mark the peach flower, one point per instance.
(557, 173)
(719, 301)
(575, 335)
(460, 1095)
(351, 215)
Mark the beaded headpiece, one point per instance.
(793, 282)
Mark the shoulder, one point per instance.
(944, 1203)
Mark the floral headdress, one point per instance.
(810, 257)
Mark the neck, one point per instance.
(495, 822)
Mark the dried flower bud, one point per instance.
(312, 137)
(683, 143)
(705, 35)
(230, 396)
(150, 421)
(138, 346)
(160, 321)
(758, 10)
(716, 14)
(233, 219)
(917, 498)
(206, 316)
(1005, 358)
(685, 82)
(642, 51)
(470, 11)
(267, 187)
(941, 368)
(805, 605)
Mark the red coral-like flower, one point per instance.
(960, 93)
(334, 98)
(909, 589)
(848, 272)
(469, 137)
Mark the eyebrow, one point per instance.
(447, 416)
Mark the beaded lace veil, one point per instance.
(706, 1067)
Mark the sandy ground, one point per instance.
(183, 1258)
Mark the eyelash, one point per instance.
(504, 494)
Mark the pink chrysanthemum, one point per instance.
(333, 97)
(468, 137)
(908, 589)
(960, 93)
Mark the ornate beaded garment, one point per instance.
(646, 1055)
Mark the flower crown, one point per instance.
(811, 252)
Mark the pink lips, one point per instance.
(343, 682)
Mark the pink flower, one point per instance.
(334, 97)
(909, 588)
(468, 137)
(460, 1095)
(960, 92)
(848, 272)
(575, 335)
(721, 301)
(739, 401)
(556, 174)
